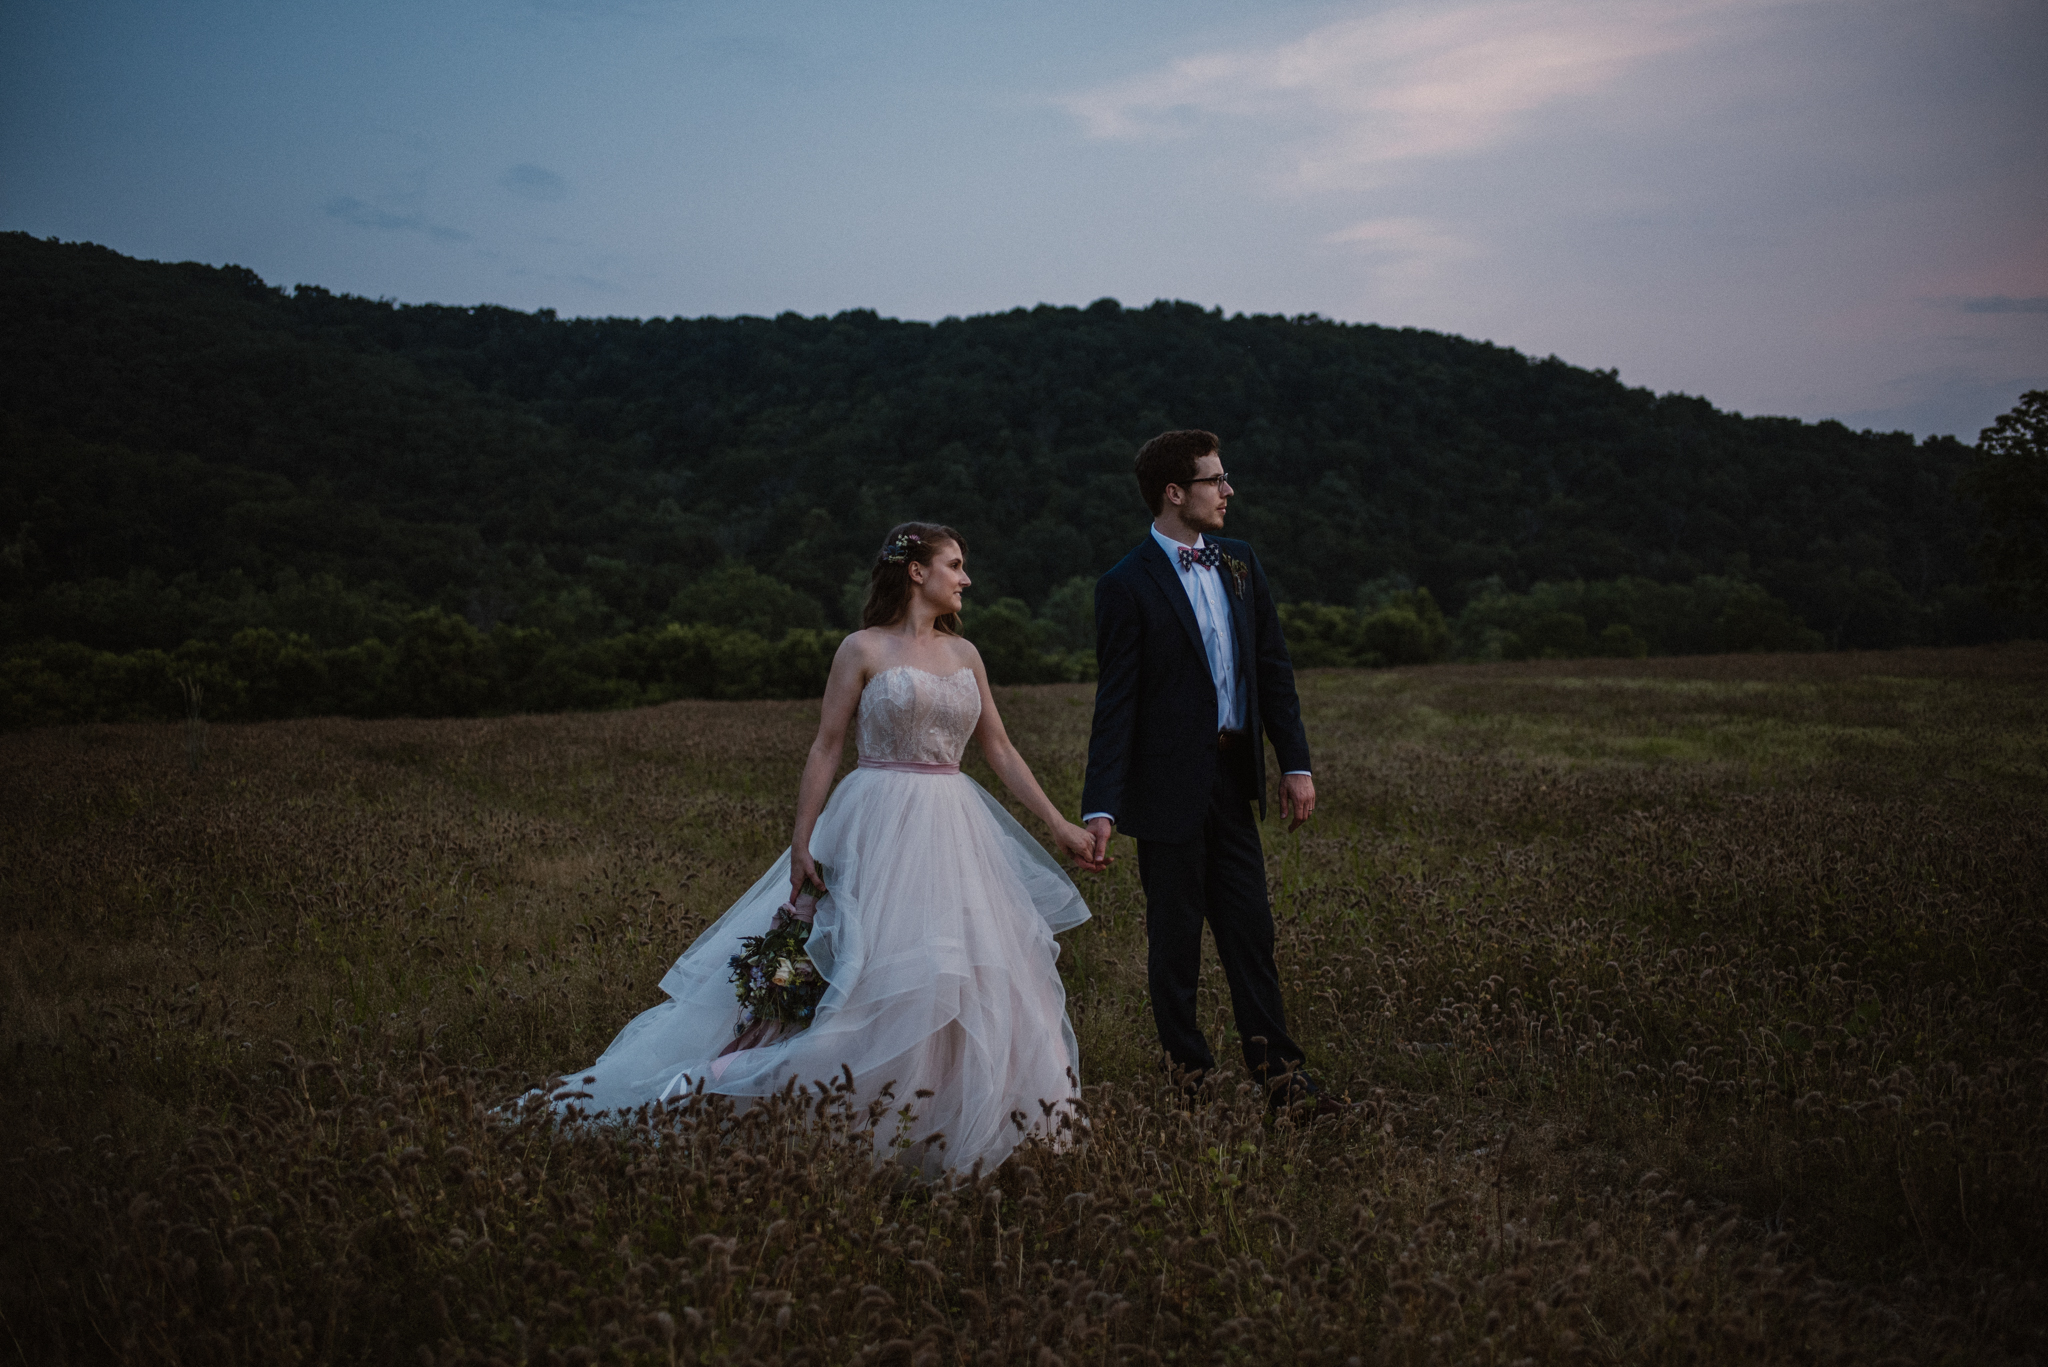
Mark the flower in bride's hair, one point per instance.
(897, 551)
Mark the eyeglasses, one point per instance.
(1219, 480)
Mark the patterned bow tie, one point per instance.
(1208, 557)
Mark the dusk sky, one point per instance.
(1823, 208)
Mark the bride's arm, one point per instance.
(842, 696)
(1018, 778)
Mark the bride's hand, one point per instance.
(1080, 847)
(803, 869)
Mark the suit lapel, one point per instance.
(1161, 569)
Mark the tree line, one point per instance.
(191, 457)
(433, 663)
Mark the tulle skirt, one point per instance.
(936, 941)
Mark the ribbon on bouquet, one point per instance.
(802, 907)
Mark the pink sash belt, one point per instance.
(907, 766)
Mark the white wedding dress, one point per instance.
(936, 940)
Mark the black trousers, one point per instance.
(1219, 877)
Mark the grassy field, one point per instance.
(1693, 1006)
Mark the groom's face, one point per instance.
(1205, 499)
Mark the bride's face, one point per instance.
(944, 581)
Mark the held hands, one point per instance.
(1081, 845)
(1297, 799)
(1099, 832)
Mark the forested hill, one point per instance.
(188, 450)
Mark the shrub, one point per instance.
(1404, 627)
(741, 598)
(440, 666)
(1628, 617)
(1017, 648)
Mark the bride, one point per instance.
(934, 933)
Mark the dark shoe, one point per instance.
(1288, 1088)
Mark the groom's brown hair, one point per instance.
(1169, 458)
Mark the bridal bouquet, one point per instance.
(776, 981)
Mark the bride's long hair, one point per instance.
(889, 586)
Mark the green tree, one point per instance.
(1011, 641)
(1069, 615)
(1407, 629)
(1620, 641)
(742, 598)
(1556, 636)
(1321, 635)
(2010, 482)
(1394, 624)
(443, 667)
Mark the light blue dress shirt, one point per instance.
(1212, 614)
(1206, 593)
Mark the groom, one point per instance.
(1194, 676)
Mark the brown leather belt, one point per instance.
(1229, 738)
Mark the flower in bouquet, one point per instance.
(773, 976)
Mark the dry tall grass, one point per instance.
(1694, 1007)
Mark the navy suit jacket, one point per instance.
(1152, 751)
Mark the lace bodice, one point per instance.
(907, 713)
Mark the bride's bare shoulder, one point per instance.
(874, 650)
(962, 653)
(860, 650)
(866, 640)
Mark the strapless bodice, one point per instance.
(910, 715)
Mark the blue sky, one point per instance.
(1823, 208)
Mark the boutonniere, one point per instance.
(1238, 572)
